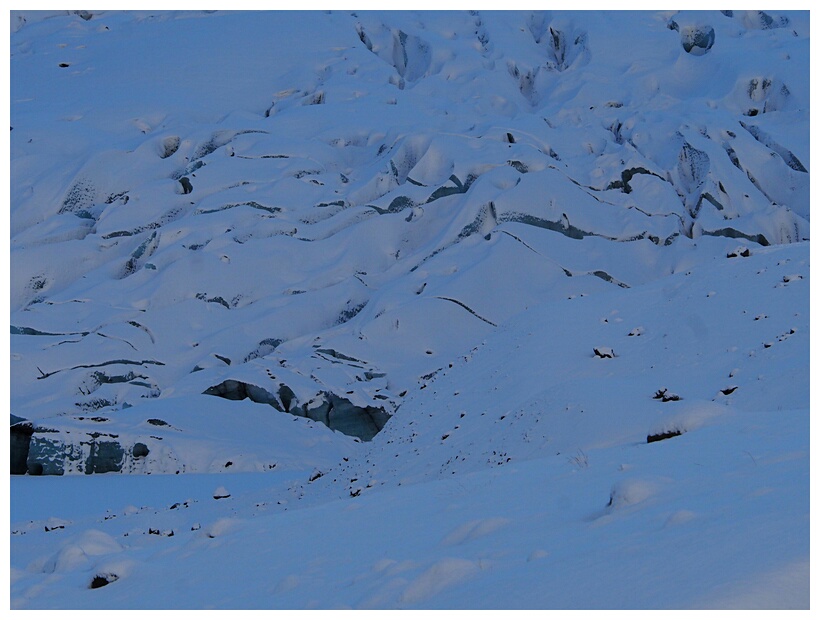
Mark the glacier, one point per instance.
(455, 309)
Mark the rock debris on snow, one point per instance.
(353, 267)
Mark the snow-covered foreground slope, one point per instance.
(505, 310)
(519, 478)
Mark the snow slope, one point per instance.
(544, 276)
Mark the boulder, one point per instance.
(697, 40)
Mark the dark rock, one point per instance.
(35, 469)
(230, 389)
(21, 432)
(102, 580)
(733, 233)
(666, 396)
(335, 412)
(48, 456)
(697, 40)
(448, 190)
(187, 188)
(350, 419)
(140, 450)
(104, 457)
(563, 48)
(286, 396)
(662, 436)
(169, 146)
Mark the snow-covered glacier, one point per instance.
(377, 261)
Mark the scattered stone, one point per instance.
(739, 251)
(783, 337)
(662, 436)
(101, 580)
(666, 396)
(221, 493)
(604, 352)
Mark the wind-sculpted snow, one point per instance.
(528, 473)
(413, 182)
(473, 309)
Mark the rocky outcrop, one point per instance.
(38, 450)
(49, 454)
(335, 412)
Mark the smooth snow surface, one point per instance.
(507, 309)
